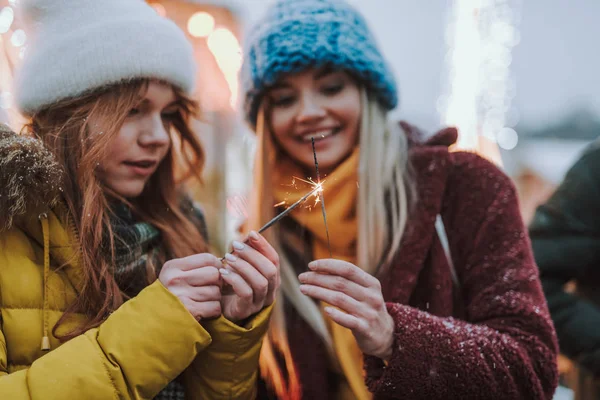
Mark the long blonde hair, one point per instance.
(384, 196)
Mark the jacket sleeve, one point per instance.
(235, 350)
(134, 354)
(565, 235)
(506, 348)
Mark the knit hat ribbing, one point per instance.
(296, 34)
(81, 45)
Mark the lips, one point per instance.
(142, 167)
(318, 135)
(141, 164)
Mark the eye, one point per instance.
(332, 89)
(283, 101)
(134, 111)
(282, 97)
(169, 115)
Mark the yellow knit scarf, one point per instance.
(340, 193)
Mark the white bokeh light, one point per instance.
(227, 51)
(7, 16)
(18, 38)
(201, 24)
(507, 138)
(481, 35)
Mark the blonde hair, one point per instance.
(384, 195)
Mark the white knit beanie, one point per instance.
(82, 45)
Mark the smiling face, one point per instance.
(142, 142)
(317, 103)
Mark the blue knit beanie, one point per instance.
(296, 34)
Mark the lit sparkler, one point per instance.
(317, 188)
(321, 198)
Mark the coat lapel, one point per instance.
(431, 165)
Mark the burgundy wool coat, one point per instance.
(497, 341)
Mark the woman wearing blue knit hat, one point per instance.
(108, 288)
(424, 286)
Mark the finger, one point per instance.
(346, 320)
(209, 309)
(335, 283)
(345, 269)
(203, 310)
(239, 286)
(338, 299)
(205, 276)
(206, 293)
(261, 263)
(195, 261)
(258, 283)
(258, 242)
(265, 266)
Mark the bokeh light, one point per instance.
(7, 16)
(201, 24)
(227, 51)
(18, 38)
(507, 138)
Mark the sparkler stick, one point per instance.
(288, 210)
(321, 197)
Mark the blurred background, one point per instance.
(518, 78)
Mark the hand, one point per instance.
(196, 281)
(253, 273)
(359, 296)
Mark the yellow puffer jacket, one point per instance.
(146, 343)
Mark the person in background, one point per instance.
(565, 234)
(107, 288)
(425, 277)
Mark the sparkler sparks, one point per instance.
(317, 188)
(317, 191)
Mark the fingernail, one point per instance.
(253, 235)
(230, 257)
(328, 310)
(302, 288)
(302, 276)
(237, 245)
(223, 271)
(312, 265)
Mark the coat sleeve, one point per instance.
(235, 350)
(134, 354)
(506, 348)
(565, 234)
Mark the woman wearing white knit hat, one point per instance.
(103, 258)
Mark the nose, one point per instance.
(154, 133)
(310, 109)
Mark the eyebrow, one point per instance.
(324, 71)
(280, 85)
(321, 73)
(146, 102)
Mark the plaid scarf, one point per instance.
(138, 252)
